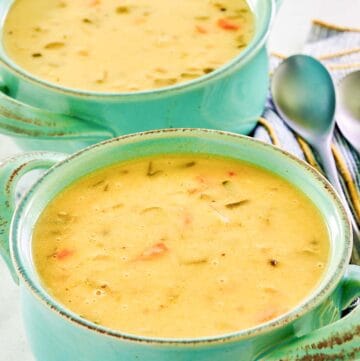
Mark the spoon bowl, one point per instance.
(304, 95)
(348, 108)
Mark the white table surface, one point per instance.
(288, 36)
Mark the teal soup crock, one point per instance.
(45, 116)
(311, 331)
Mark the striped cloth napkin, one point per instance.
(339, 50)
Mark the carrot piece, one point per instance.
(187, 218)
(200, 29)
(95, 2)
(269, 312)
(227, 24)
(152, 252)
(63, 254)
(268, 315)
(139, 21)
(200, 179)
(193, 190)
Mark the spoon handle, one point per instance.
(329, 166)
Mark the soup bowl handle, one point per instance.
(11, 171)
(20, 119)
(336, 341)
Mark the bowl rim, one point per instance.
(314, 299)
(242, 58)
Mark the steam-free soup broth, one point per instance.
(127, 45)
(180, 246)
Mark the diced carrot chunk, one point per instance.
(200, 179)
(227, 24)
(193, 190)
(200, 29)
(187, 218)
(95, 2)
(152, 252)
(269, 313)
(139, 20)
(63, 254)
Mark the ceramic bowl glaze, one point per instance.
(230, 98)
(312, 329)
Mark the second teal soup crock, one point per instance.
(312, 330)
(44, 116)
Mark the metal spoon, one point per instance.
(348, 108)
(304, 95)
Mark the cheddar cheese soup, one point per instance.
(180, 246)
(126, 45)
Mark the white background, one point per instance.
(288, 35)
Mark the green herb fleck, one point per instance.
(189, 164)
(63, 218)
(54, 45)
(103, 78)
(98, 183)
(201, 17)
(196, 261)
(240, 41)
(208, 70)
(241, 11)
(206, 197)
(122, 10)
(189, 75)
(87, 21)
(151, 172)
(236, 204)
(150, 209)
(165, 81)
(117, 206)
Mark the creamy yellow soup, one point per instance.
(126, 45)
(180, 246)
